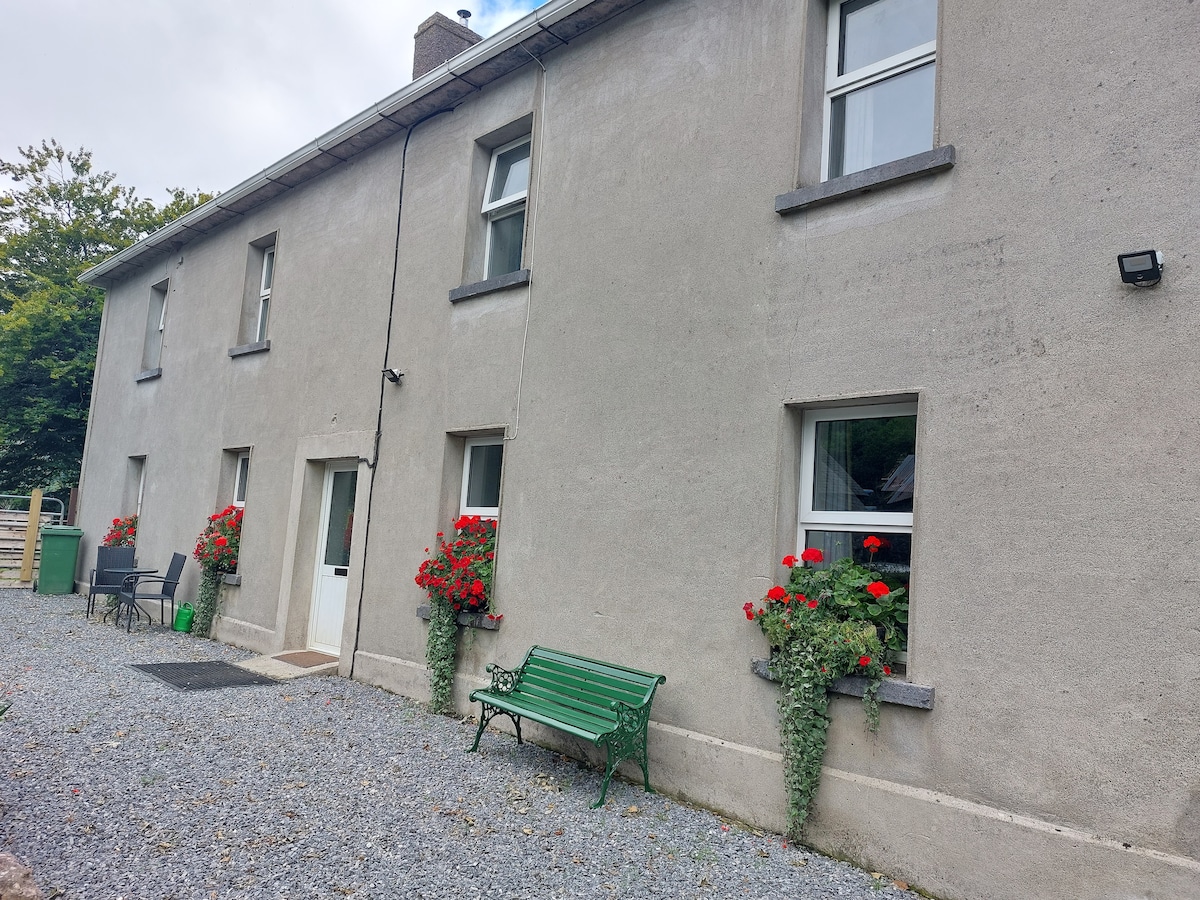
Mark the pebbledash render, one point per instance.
(646, 274)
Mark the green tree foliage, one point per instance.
(60, 218)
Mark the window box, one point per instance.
(899, 693)
(467, 620)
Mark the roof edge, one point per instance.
(182, 229)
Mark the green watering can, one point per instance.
(183, 617)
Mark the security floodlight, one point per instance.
(393, 375)
(1142, 268)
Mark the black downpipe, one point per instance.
(374, 461)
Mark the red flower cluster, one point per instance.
(122, 533)
(878, 589)
(812, 555)
(218, 545)
(461, 572)
(872, 543)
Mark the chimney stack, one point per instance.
(437, 39)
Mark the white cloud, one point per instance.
(205, 94)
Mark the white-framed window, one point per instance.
(241, 476)
(156, 320)
(504, 201)
(858, 479)
(482, 463)
(264, 292)
(879, 82)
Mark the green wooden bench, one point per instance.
(606, 704)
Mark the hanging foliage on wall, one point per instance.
(458, 578)
(217, 551)
(825, 624)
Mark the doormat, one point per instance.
(306, 659)
(201, 676)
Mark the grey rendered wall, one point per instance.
(649, 378)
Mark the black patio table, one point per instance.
(135, 574)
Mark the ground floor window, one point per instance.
(482, 462)
(857, 480)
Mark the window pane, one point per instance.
(865, 465)
(511, 175)
(341, 519)
(268, 270)
(892, 560)
(887, 120)
(873, 30)
(243, 473)
(504, 254)
(483, 479)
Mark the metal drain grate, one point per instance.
(202, 676)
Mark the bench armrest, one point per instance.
(631, 719)
(503, 680)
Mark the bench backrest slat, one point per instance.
(597, 708)
(585, 686)
(603, 688)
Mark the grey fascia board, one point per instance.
(928, 163)
(549, 14)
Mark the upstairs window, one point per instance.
(156, 320)
(482, 461)
(879, 82)
(504, 201)
(241, 475)
(264, 292)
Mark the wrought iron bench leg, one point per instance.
(486, 715)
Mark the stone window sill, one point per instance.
(901, 693)
(148, 375)
(470, 620)
(245, 349)
(939, 159)
(490, 285)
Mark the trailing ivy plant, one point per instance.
(826, 623)
(458, 578)
(217, 552)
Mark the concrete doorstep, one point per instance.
(292, 664)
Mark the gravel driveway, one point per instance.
(114, 785)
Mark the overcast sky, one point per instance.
(204, 93)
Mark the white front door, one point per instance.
(333, 558)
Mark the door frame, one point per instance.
(332, 467)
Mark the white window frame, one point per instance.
(486, 512)
(827, 520)
(241, 477)
(265, 281)
(839, 85)
(506, 206)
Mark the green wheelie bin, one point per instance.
(60, 550)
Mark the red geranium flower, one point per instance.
(812, 604)
(864, 660)
(872, 543)
(748, 609)
(887, 670)
(812, 555)
(776, 593)
(789, 560)
(877, 589)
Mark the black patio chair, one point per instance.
(101, 581)
(134, 590)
